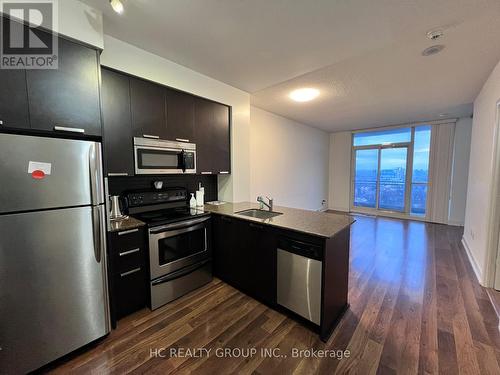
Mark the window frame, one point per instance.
(406, 213)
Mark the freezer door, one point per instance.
(53, 292)
(38, 173)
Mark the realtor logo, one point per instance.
(24, 43)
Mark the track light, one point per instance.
(117, 6)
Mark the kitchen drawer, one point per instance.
(127, 240)
(129, 259)
(131, 292)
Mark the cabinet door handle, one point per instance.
(206, 172)
(151, 136)
(224, 172)
(128, 232)
(130, 252)
(68, 129)
(117, 174)
(182, 139)
(135, 270)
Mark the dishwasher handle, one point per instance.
(304, 249)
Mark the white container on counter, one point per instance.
(200, 197)
(192, 201)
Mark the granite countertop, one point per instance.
(125, 224)
(321, 224)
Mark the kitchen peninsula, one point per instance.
(297, 261)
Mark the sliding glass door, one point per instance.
(392, 181)
(380, 178)
(366, 178)
(390, 170)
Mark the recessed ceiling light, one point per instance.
(433, 50)
(117, 6)
(304, 95)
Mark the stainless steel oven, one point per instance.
(155, 156)
(179, 255)
(177, 245)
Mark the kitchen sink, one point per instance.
(259, 214)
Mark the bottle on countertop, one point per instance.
(192, 201)
(200, 196)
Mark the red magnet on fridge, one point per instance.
(38, 174)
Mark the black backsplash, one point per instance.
(119, 185)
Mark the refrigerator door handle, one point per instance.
(95, 171)
(97, 231)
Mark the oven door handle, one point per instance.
(183, 224)
(180, 273)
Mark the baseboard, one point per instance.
(472, 261)
(456, 223)
(343, 209)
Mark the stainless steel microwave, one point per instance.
(156, 156)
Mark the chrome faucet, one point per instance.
(263, 203)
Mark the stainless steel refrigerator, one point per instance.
(53, 292)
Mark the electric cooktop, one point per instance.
(171, 215)
(159, 207)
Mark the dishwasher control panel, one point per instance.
(305, 249)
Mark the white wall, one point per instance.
(130, 59)
(81, 22)
(340, 171)
(289, 161)
(460, 171)
(480, 174)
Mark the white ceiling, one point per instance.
(364, 55)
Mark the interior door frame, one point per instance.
(491, 277)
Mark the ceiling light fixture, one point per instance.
(117, 6)
(304, 95)
(432, 50)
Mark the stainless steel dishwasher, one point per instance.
(299, 278)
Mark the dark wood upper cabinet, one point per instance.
(180, 116)
(67, 97)
(148, 106)
(13, 99)
(160, 112)
(204, 136)
(118, 144)
(212, 132)
(221, 128)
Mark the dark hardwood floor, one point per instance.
(416, 307)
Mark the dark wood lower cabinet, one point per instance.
(128, 272)
(260, 257)
(226, 256)
(245, 256)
